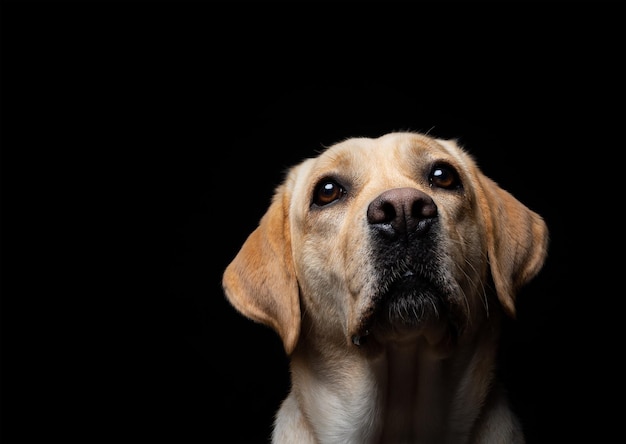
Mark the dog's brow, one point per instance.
(455, 151)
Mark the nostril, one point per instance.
(389, 212)
(424, 208)
(381, 211)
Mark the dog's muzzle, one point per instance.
(404, 232)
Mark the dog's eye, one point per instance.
(444, 176)
(327, 191)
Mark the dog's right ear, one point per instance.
(260, 282)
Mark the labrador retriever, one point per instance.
(386, 266)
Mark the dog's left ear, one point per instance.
(517, 240)
(261, 282)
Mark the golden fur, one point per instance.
(385, 266)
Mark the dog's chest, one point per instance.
(402, 396)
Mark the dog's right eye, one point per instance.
(326, 192)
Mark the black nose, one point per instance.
(402, 211)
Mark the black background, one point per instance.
(141, 143)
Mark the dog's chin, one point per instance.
(410, 307)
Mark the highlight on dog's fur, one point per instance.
(385, 265)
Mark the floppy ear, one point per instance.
(517, 241)
(260, 282)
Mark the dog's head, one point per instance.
(391, 237)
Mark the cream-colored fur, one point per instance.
(385, 266)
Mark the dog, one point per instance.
(387, 266)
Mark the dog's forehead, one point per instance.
(391, 149)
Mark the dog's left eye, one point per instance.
(444, 176)
(327, 191)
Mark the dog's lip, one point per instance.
(409, 279)
(405, 280)
(403, 275)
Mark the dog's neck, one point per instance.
(408, 392)
(411, 380)
(422, 392)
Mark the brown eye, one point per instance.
(327, 191)
(444, 176)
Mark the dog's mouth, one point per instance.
(406, 301)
